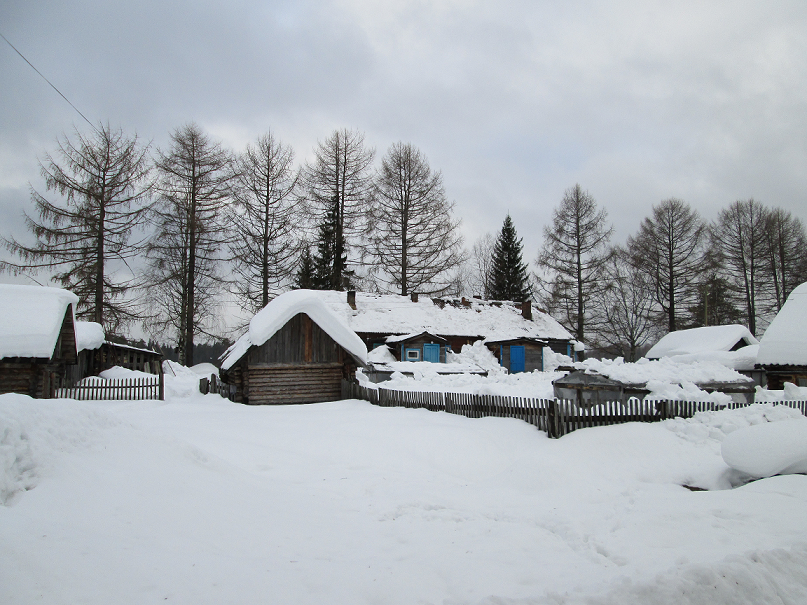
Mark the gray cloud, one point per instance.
(636, 101)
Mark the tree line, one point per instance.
(163, 236)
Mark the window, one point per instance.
(412, 354)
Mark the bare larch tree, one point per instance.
(786, 256)
(574, 254)
(739, 234)
(86, 239)
(669, 248)
(262, 217)
(185, 251)
(415, 242)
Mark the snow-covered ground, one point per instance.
(199, 500)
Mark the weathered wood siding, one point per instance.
(274, 385)
(299, 364)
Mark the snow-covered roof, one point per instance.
(31, 318)
(395, 314)
(701, 340)
(89, 335)
(279, 311)
(785, 340)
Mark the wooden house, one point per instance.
(37, 339)
(783, 347)
(390, 319)
(296, 351)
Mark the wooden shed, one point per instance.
(37, 339)
(519, 354)
(296, 351)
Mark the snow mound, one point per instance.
(552, 360)
(205, 369)
(381, 354)
(118, 372)
(768, 449)
(664, 370)
(32, 319)
(477, 354)
(34, 433)
(279, 311)
(89, 335)
(714, 426)
(790, 393)
(785, 340)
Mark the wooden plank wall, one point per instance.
(277, 385)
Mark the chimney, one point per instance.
(526, 309)
(414, 296)
(351, 298)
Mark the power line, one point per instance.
(49, 82)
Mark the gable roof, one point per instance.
(395, 314)
(280, 310)
(31, 319)
(707, 339)
(785, 340)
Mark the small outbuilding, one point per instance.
(37, 339)
(295, 351)
(522, 354)
(783, 347)
(418, 347)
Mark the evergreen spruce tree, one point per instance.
(508, 273)
(331, 256)
(305, 272)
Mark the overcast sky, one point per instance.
(514, 102)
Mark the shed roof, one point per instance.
(31, 319)
(701, 340)
(395, 314)
(785, 340)
(279, 311)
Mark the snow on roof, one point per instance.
(701, 340)
(395, 314)
(279, 311)
(89, 335)
(31, 318)
(665, 370)
(785, 340)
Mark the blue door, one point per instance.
(431, 353)
(517, 356)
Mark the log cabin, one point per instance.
(295, 351)
(37, 339)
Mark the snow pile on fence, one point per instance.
(279, 311)
(32, 319)
(662, 370)
(712, 427)
(790, 393)
(89, 335)
(785, 340)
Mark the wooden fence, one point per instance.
(555, 416)
(115, 389)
